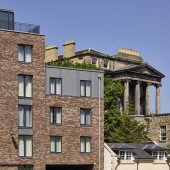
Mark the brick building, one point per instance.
(49, 115)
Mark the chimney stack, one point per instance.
(51, 53)
(69, 49)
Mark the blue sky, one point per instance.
(105, 26)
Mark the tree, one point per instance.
(120, 127)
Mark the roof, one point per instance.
(140, 151)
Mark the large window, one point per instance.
(94, 61)
(85, 144)
(106, 64)
(55, 86)
(24, 116)
(55, 115)
(24, 86)
(158, 155)
(25, 53)
(85, 88)
(85, 117)
(25, 146)
(125, 154)
(56, 144)
(163, 133)
(25, 167)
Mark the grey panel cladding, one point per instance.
(25, 131)
(71, 80)
(25, 101)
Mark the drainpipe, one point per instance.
(137, 164)
(118, 163)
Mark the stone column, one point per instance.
(137, 97)
(158, 98)
(147, 99)
(126, 92)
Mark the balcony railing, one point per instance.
(20, 27)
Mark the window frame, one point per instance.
(55, 115)
(24, 77)
(55, 90)
(25, 136)
(87, 111)
(24, 116)
(94, 58)
(24, 53)
(85, 91)
(85, 143)
(25, 167)
(55, 137)
(125, 156)
(163, 133)
(157, 155)
(106, 61)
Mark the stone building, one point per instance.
(136, 75)
(51, 117)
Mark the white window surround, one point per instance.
(159, 155)
(125, 154)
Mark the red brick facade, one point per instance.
(70, 130)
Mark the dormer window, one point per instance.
(158, 155)
(125, 154)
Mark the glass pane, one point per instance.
(28, 53)
(82, 144)
(28, 116)
(82, 116)
(58, 86)
(20, 53)
(88, 145)
(20, 116)
(52, 115)
(52, 86)
(88, 85)
(20, 85)
(58, 115)
(52, 144)
(29, 146)
(28, 86)
(82, 88)
(88, 117)
(21, 145)
(58, 144)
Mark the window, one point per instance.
(24, 116)
(85, 88)
(163, 133)
(25, 146)
(85, 144)
(25, 167)
(56, 144)
(125, 155)
(24, 86)
(55, 115)
(25, 53)
(158, 155)
(106, 64)
(94, 61)
(85, 117)
(55, 86)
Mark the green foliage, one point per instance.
(120, 127)
(68, 63)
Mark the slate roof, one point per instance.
(140, 151)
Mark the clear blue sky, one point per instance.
(105, 25)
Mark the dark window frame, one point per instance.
(163, 136)
(55, 90)
(85, 92)
(25, 167)
(89, 112)
(85, 149)
(24, 136)
(55, 144)
(24, 126)
(24, 96)
(24, 47)
(53, 108)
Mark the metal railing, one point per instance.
(20, 27)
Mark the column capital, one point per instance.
(138, 82)
(158, 85)
(126, 80)
(148, 84)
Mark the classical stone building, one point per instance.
(136, 75)
(50, 117)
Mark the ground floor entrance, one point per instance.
(69, 167)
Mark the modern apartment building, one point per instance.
(51, 117)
